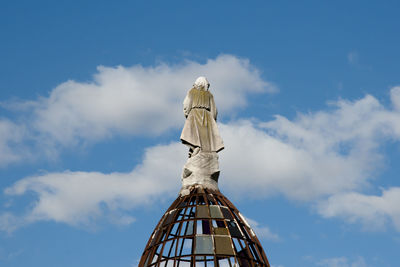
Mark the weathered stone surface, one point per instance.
(200, 129)
(202, 169)
(200, 133)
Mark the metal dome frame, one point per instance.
(203, 228)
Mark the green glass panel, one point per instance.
(204, 245)
(223, 245)
(215, 212)
(221, 231)
(202, 212)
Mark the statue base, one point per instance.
(200, 170)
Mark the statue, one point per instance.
(200, 133)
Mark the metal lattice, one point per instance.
(203, 229)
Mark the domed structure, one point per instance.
(202, 227)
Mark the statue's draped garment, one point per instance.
(200, 129)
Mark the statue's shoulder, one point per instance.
(210, 95)
(192, 91)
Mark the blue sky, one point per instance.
(90, 117)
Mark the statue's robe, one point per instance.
(200, 129)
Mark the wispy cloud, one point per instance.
(342, 262)
(373, 212)
(262, 231)
(12, 136)
(352, 58)
(81, 198)
(315, 155)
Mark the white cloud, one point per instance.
(9, 222)
(121, 100)
(395, 97)
(342, 262)
(79, 198)
(276, 166)
(318, 157)
(326, 156)
(315, 155)
(371, 211)
(11, 149)
(139, 100)
(263, 232)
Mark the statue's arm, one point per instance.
(187, 105)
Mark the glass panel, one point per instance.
(181, 213)
(215, 212)
(234, 230)
(167, 248)
(221, 231)
(174, 230)
(202, 212)
(199, 228)
(210, 264)
(167, 263)
(223, 263)
(189, 229)
(158, 250)
(200, 260)
(223, 245)
(204, 245)
(254, 251)
(189, 213)
(206, 227)
(220, 224)
(243, 258)
(170, 217)
(236, 244)
(155, 258)
(183, 262)
(185, 246)
(209, 259)
(226, 213)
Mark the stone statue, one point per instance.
(200, 133)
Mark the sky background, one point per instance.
(91, 96)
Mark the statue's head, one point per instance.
(201, 83)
